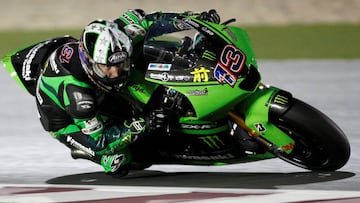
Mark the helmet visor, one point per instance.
(111, 74)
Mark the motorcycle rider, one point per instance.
(75, 91)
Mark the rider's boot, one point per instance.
(117, 165)
(79, 154)
(114, 165)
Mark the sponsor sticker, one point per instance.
(118, 57)
(162, 76)
(26, 67)
(92, 126)
(198, 92)
(159, 67)
(78, 145)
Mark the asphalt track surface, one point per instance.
(28, 155)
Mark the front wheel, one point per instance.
(320, 144)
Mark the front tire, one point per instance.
(320, 145)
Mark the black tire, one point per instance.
(320, 145)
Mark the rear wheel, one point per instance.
(319, 143)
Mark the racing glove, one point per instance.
(211, 16)
(136, 126)
(134, 24)
(115, 139)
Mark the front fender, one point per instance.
(262, 107)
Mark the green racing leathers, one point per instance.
(70, 108)
(70, 105)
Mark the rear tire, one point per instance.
(320, 145)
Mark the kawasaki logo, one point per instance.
(26, 67)
(77, 145)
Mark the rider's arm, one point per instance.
(88, 131)
(135, 22)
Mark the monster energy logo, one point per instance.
(280, 99)
(209, 55)
(214, 142)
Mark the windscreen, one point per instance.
(186, 50)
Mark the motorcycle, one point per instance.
(206, 77)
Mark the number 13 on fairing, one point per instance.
(231, 63)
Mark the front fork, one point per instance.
(257, 113)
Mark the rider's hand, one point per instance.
(136, 26)
(138, 15)
(157, 120)
(211, 16)
(136, 126)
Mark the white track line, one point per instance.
(109, 192)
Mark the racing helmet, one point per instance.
(102, 44)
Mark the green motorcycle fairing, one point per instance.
(211, 85)
(215, 78)
(267, 103)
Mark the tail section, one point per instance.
(25, 65)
